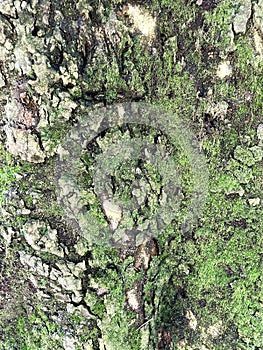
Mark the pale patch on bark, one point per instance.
(142, 20)
(224, 70)
(113, 213)
(192, 319)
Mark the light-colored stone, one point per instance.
(63, 268)
(182, 344)
(23, 211)
(83, 311)
(88, 345)
(66, 105)
(258, 30)
(34, 281)
(76, 297)
(22, 63)
(83, 7)
(140, 191)
(81, 247)
(2, 35)
(3, 54)
(55, 288)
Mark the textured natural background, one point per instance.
(201, 289)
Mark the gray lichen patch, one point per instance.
(2, 80)
(258, 8)
(41, 237)
(142, 20)
(224, 70)
(113, 213)
(258, 28)
(22, 109)
(58, 280)
(249, 156)
(25, 145)
(241, 18)
(260, 133)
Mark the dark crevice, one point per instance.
(38, 135)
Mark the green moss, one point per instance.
(96, 304)
(31, 332)
(53, 135)
(8, 171)
(215, 269)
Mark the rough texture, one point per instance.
(197, 288)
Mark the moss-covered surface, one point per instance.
(202, 289)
